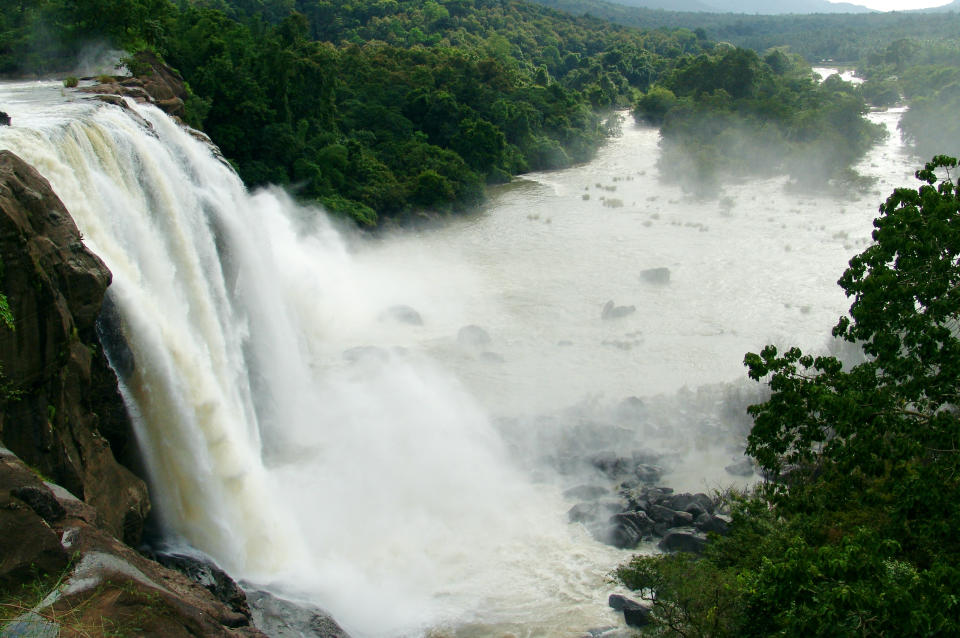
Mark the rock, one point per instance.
(717, 523)
(660, 276)
(610, 464)
(280, 618)
(681, 502)
(69, 416)
(594, 510)
(672, 518)
(648, 473)
(365, 353)
(206, 573)
(156, 83)
(41, 500)
(4, 119)
(28, 546)
(402, 314)
(612, 311)
(637, 617)
(683, 539)
(741, 468)
(473, 337)
(627, 529)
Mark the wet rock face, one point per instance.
(60, 409)
(155, 83)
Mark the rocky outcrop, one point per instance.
(60, 410)
(153, 82)
(90, 583)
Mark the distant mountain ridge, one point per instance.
(751, 6)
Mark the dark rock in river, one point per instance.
(628, 529)
(280, 618)
(473, 337)
(402, 314)
(612, 311)
(717, 523)
(637, 617)
(683, 539)
(656, 275)
(4, 119)
(635, 614)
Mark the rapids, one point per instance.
(302, 428)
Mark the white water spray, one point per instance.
(368, 482)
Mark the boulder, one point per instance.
(683, 539)
(402, 314)
(626, 530)
(613, 311)
(29, 547)
(716, 523)
(618, 602)
(4, 119)
(659, 276)
(281, 618)
(69, 417)
(206, 573)
(638, 617)
(594, 510)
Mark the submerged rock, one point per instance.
(613, 311)
(473, 336)
(402, 314)
(659, 276)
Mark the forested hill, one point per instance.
(836, 37)
(374, 108)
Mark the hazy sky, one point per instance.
(898, 5)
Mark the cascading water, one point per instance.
(377, 478)
(315, 442)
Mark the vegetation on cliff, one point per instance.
(856, 532)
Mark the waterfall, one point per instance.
(284, 431)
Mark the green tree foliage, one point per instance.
(857, 532)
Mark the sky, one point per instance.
(898, 5)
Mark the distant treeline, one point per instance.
(841, 38)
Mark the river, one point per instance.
(315, 417)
